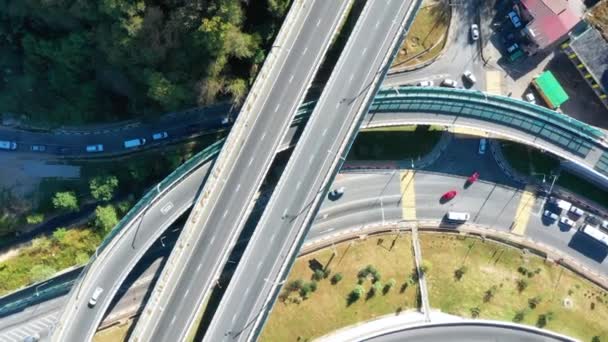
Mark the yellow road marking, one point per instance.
(408, 195)
(469, 131)
(524, 209)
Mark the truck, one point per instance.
(561, 204)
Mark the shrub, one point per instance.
(460, 272)
(336, 278)
(318, 275)
(355, 294)
(533, 302)
(489, 294)
(65, 201)
(105, 218)
(59, 235)
(305, 290)
(295, 285)
(389, 285)
(475, 312)
(519, 316)
(522, 284)
(41, 272)
(313, 286)
(34, 218)
(326, 273)
(103, 187)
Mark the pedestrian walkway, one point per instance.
(424, 293)
(468, 131)
(408, 195)
(524, 209)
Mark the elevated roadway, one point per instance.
(222, 208)
(130, 240)
(316, 159)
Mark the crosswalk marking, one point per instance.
(408, 195)
(524, 209)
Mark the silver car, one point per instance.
(474, 32)
(449, 83)
(550, 215)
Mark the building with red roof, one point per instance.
(549, 21)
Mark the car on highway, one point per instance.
(474, 32)
(8, 145)
(566, 222)
(226, 120)
(473, 178)
(576, 211)
(38, 148)
(134, 142)
(469, 77)
(550, 215)
(449, 83)
(428, 83)
(95, 148)
(93, 300)
(336, 193)
(449, 195)
(160, 136)
(529, 97)
(482, 146)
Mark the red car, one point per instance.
(473, 178)
(449, 195)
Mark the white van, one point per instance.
(561, 204)
(8, 145)
(454, 216)
(134, 142)
(98, 291)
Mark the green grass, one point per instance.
(528, 160)
(326, 309)
(429, 27)
(492, 264)
(398, 143)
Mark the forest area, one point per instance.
(71, 62)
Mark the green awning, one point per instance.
(550, 89)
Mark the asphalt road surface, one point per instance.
(335, 118)
(169, 316)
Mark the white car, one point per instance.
(567, 222)
(550, 215)
(529, 97)
(470, 77)
(449, 83)
(159, 136)
(426, 83)
(337, 192)
(576, 211)
(98, 291)
(474, 32)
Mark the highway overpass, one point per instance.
(222, 208)
(129, 240)
(317, 157)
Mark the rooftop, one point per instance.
(553, 19)
(591, 49)
(550, 89)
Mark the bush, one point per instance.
(389, 285)
(519, 316)
(59, 235)
(318, 275)
(41, 272)
(34, 218)
(356, 293)
(313, 286)
(295, 285)
(522, 284)
(475, 312)
(336, 278)
(460, 272)
(533, 302)
(326, 273)
(105, 218)
(103, 187)
(305, 291)
(65, 201)
(489, 294)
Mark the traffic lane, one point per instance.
(310, 151)
(243, 175)
(488, 203)
(136, 243)
(38, 319)
(464, 333)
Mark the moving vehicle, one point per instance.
(529, 97)
(595, 233)
(470, 77)
(457, 217)
(449, 195)
(337, 193)
(226, 120)
(449, 83)
(134, 142)
(38, 148)
(576, 211)
(159, 136)
(567, 222)
(8, 145)
(550, 215)
(473, 178)
(482, 146)
(95, 148)
(474, 32)
(428, 83)
(98, 291)
(515, 20)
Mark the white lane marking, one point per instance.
(377, 24)
(212, 239)
(311, 158)
(250, 161)
(164, 210)
(338, 104)
(247, 291)
(318, 22)
(351, 78)
(298, 185)
(364, 51)
(272, 237)
(291, 78)
(234, 318)
(173, 320)
(324, 131)
(186, 293)
(277, 107)
(199, 267)
(259, 266)
(263, 136)
(304, 52)
(238, 187)
(225, 213)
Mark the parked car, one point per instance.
(8, 145)
(482, 145)
(576, 211)
(474, 32)
(449, 195)
(38, 148)
(449, 83)
(470, 77)
(567, 222)
(529, 97)
(159, 136)
(512, 48)
(473, 178)
(593, 220)
(457, 217)
(95, 148)
(515, 20)
(98, 291)
(605, 224)
(428, 83)
(550, 215)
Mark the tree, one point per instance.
(533, 302)
(318, 274)
(34, 218)
(41, 272)
(389, 285)
(65, 201)
(355, 294)
(595, 339)
(168, 94)
(305, 291)
(59, 235)
(425, 267)
(489, 294)
(81, 258)
(336, 278)
(460, 272)
(475, 312)
(313, 286)
(295, 285)
(519, 316)
(377, 287)
(103, 187)
(105, 218)
(522, 284)
(278, 8)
